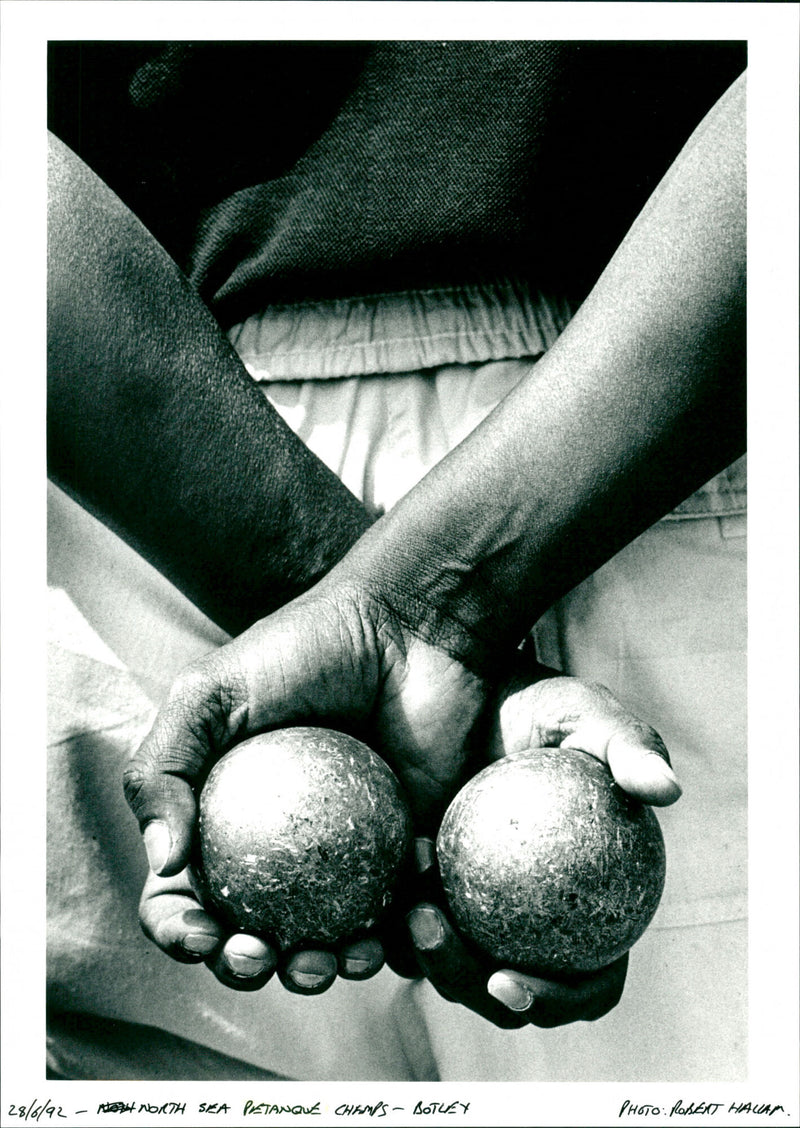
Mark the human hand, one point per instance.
(555, 712)
(335, 656)
(173, 916)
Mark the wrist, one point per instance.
(420, 583)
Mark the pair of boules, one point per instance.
(548, 866)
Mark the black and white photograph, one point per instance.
(416, 715)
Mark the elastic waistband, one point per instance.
(399, 332)
(419, 331)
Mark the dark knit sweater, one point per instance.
(282, 172)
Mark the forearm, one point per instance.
(641, 400)
(154, 424)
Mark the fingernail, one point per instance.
(200, 943)
(158, 844)
(309, 979)
(659, 764)
(426, 928)
(642, 770)
(245, 966)
(355, 966)
(425, 854)
(510, 992)
(658, 768)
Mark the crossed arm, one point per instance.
(409, 639)
(154, 424)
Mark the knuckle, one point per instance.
(599, 697)
(659, 744)
(650, 738)
(598, 689)
(133, 781)
(191, 685)
(208, 703)
(570, 688)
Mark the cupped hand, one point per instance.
(335, 657)
(557, 712)
(173, 917)
(567, 712)
(506, 997)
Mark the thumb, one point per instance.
(640, 764)
(189, 734)
(634, 752)
(566, 712)
(165, 808)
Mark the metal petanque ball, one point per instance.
(548, 866)
(302, 835)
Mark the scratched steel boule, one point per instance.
(548, 865)
(302, 833)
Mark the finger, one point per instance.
(173, 918)
(456, 973)
(564, 712)
(309, 972)
(198, 722)
(360, 960)
(244, 962)
(549, 1003)
(257, 681)
(641, 767)
(421, 882)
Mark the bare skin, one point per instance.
(407, 641)
(155, 426)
